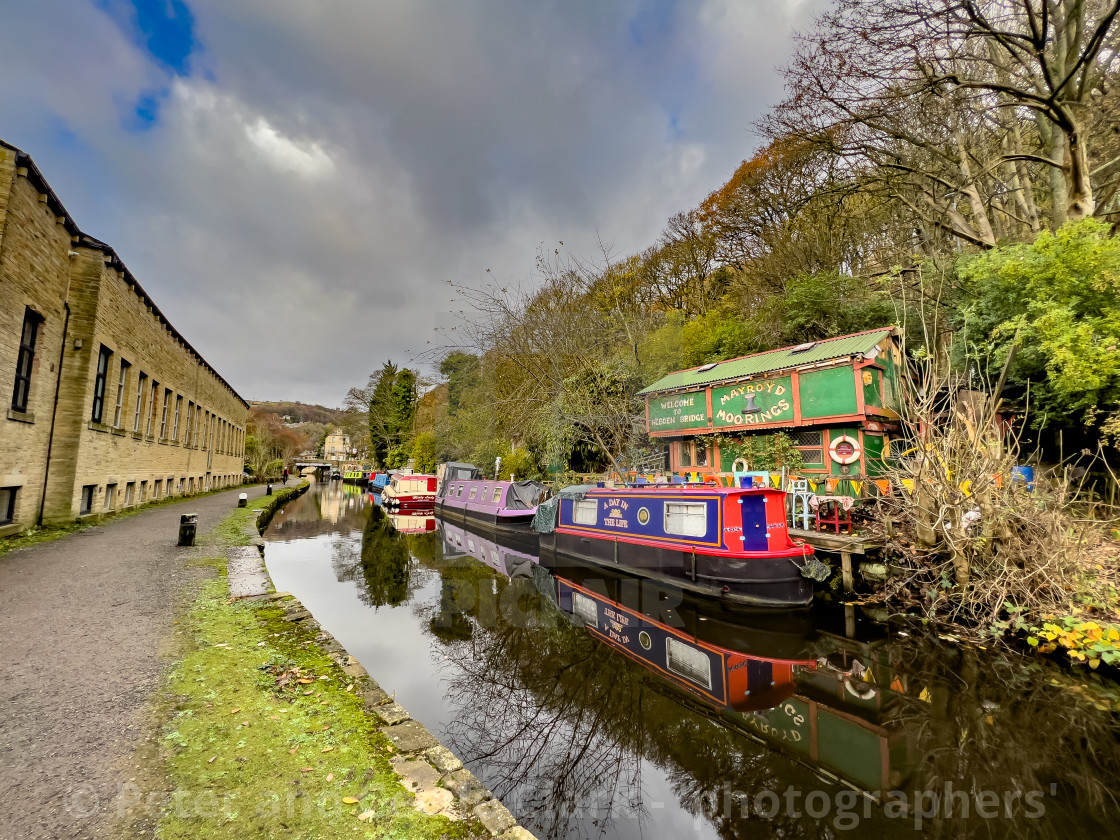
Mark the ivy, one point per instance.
(763, 452)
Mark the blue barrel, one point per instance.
(1025, 474)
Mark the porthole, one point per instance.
(643, 638)
(643, 516)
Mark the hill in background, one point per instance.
(302, 412)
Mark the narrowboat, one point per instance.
(730, 543)
(359, 477)
(410, 490)
(468, 498)
(720, 676)
(378, 481)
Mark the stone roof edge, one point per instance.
(23, 159)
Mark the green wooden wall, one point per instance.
(828, 392)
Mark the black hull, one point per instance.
(763, 582)
(489, 521)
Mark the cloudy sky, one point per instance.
(322, 168)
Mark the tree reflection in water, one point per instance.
(579, 740)
(559, 725)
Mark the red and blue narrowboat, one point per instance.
(731, 543)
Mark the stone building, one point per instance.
(110, 406)
(336, 448)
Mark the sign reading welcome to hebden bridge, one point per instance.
(680, 411)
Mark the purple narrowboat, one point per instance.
(466, 497)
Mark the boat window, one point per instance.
(686, 519)
(585, 608)
(474, 490)
(585, 511)
(497, 495)
(460, 491)
(688, 661)
(482, 495)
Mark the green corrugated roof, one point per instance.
(825, 350)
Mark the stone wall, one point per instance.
(69, 278)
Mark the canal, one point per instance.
(595, 706)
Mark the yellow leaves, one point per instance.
(326, 749)
(366, 815)
(235, 710)
(350, 800)
(304, 681)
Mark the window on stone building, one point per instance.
(26, 358)
(99, 384)
(141, 490)
(206, 429)
(151, 408)
(163, 414)
(140, 383)
(190, 422)
(197, 423)
(157, 487)
(122, 381)
(110, 495)
(128, 488)
(175, 424)
(8, 505)
(87, 499)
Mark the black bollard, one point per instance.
(188, 525)
(268, 490)
(243, 500)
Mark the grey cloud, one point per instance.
(331, 165)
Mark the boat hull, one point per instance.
(497, 520)
(414, 500)
(768, 581)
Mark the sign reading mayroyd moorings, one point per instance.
(680, 411)
(761, 401)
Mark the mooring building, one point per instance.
(837, 399)
(110, 406)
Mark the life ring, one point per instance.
(737, 462)
(844, 450)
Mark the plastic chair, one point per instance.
(799, 494)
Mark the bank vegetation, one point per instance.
(948, 166)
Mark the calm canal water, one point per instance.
(601, 707)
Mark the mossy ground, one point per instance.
(265, 736)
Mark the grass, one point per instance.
(264, 735)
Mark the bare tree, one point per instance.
(964, 111)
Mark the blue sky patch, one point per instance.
(165, 28)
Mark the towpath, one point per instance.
(85, 629)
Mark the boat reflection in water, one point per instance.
(627, 672)
(734, 722)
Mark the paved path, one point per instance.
(82, 624)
